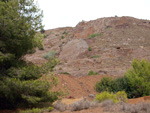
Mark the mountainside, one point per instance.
(106, 46)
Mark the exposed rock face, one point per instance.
(73, 49)
(118, 41)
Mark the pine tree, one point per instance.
(19, 21)
(19, 82)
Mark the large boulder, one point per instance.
(73, 49)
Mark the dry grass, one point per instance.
(82, 104)
(136, 108)
(60, 106)
(107, 103)
(121, 107)
(75, 106)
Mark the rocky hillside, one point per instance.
(106, 46)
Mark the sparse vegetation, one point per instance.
(94, 35)
(64, 33)
(108, 27)
(135, 82)
(37, 110)
(66, 73)
(49, 55)
(89, 48)
(62, 37)
(92, 73)
(95, 56)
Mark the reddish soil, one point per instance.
(83, 86)
(78, 86)
(138, 100)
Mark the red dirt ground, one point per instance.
(78, 87)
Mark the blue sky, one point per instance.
(62, 13)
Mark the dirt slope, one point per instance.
(78, 87)
(119, 41)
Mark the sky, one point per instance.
(64, 13)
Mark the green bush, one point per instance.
(138, 79)
(136, 82)
(95, 56)
(92, 73)
(119, 96)
(37, 110)
(49, 55)
(94, 35)
(62, 37)
(119, 84)
(89, 48)
(66, 73)
(64, 33)
(104, 85)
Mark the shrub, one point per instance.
(94, 35)
(62, 37)
(119, 96)
(89, 48)
(138, 79)
(104, 85)
(37, 110)
(49, 55)
(95, 56)
(66, 73)
(92, 73)
(119, 84)
(64, 33)
(135, 82)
